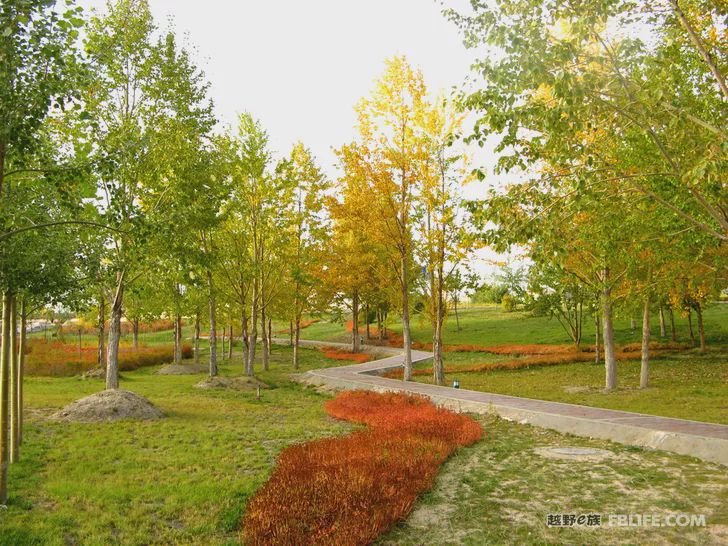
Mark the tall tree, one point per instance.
(443, 240)
(304, 254)
(147, 107)
(390, 129)
(565, 68)
(255, 192)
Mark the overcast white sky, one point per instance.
(300, 66)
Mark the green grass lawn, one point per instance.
(185, 479)
(687, 385)
(181, 480)
(490, 325)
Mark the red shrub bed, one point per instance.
(349, 490)
(64, 359)
(339, 354)
(627, 352)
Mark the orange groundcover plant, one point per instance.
(339, 354)
(548, 357)
(64, 359)
(349, 490)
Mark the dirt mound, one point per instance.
(109, 405)
(96, 373)
(182, 369)
(235, 383)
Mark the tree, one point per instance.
(305, 254)
(565, 71)
(40, 69)
(393, 153)
(255, 193)
(557, 293)
(354, 254)
(148, 108)
(444, 241)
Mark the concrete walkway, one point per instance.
(706, 441)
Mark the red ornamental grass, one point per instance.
(351, 489)
(554, 358)
(65, 359)
(338, 354)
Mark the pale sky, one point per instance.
(301, 66)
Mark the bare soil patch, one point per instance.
(234, 383)
(96, 373)
(182, 369)
(109, 405)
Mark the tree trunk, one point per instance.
(407, 376)
(355, 322)
(296, 339)
(264, 335)
(253, 333)
(578, 326)
(645, 367)
(230, 343)
(21, 368)
(197, 337)
(270, 336)
(244, 335)
(632, 324)
(101, 358)
(610, 362)
(438, 364)
(3, 153)
(177, 339)
(213, 324)
(690, 325)
(380, 333)
(5, 400)
(701, 330)
(366, 312)
(135, 327)
(673, 331)
(224, 334)
(112, 357)
(14, 369)
(597, 349)
(661, 314)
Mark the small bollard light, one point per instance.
(456, 384)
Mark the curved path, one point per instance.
(706, 441)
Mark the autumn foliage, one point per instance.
(53, 358)
(349, 490)
(540, 355)
(339, 354)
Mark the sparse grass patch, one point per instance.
(500, 492)
(182, 480)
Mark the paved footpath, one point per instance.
(706, 441)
